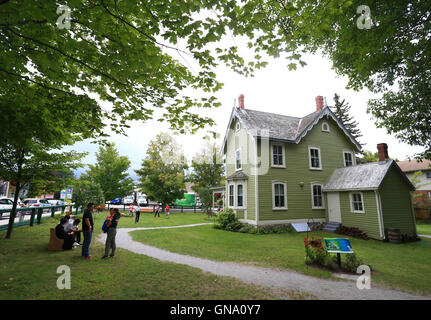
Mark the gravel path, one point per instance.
(424, 235)
(273, 278)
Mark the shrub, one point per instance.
(351, 262)
(315, 252)
(224, 218)
(245, 229)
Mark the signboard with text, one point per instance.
(336, 245)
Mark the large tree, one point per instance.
(342, 111)
(110, 172)
(163, 170)
(85, 191)
(137, 56)
(381, 45)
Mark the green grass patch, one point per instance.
(398, 266)
(28, 271)
(424, 229)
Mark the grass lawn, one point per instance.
(28, 271)
(398, 266)
(424, 228)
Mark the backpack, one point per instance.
(104, 226)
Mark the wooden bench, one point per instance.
(55, 244)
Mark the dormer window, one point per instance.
(325, 127)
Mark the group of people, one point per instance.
(158, 209)
(69, 231)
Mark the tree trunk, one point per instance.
(13, 212)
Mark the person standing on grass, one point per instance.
(168, 211)
(157, 211)
(112, 232)
(87, 230)
(131, 210)
(137, 212)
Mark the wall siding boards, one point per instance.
(368, 222)
(297, 170)
(396, 204)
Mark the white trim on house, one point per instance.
(256, 184)
(237, 126)
(327, 126)
(269, 222)
(240, 159)
(312, 195)
(229, 205)
(285, 207)
(351, 202)
(283, 155)
(380, 214)
(353, 157)
(309, 158)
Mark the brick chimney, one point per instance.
(319, 103)
(241, 101)
(383, 151)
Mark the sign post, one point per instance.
(338, 246)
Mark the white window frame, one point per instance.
(237, 194)
(353, 157)
(283, 154)
(240, 160)
(312, 195)
(229, 195)
(352, 207)
(429, 195)
(327, 124)
(309, 158)
(237, 126)
(285, 195)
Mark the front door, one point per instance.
(334, 211)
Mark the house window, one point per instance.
(325, 127)
(237, 126)
(317, 195)
(231, 196)
(239, 196)
(348, 158)
(429, 175)
(277, 155)
(279, 196)
(315, 160)
(238, 159)
(429, 195)
(357, 202)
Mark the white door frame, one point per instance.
(334, 209)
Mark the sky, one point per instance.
(273, 89)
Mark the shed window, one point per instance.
(317, 196)
(429, 175)
(277, 155)
(357, 202)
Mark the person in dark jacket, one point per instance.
(66, 236)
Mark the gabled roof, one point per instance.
(367, 176)
(238, 175)
(414, 165)
(280, 127)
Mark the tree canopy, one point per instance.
(342, 111)
(162, 174)
(110, 172)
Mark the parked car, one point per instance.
(36, 203)
(7, 203)
(128, 200)
(142, 200)
(116, 201)
(55, 202)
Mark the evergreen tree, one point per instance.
(342, 111)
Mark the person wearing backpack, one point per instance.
(112, 222)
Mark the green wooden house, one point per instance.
(282, 169)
